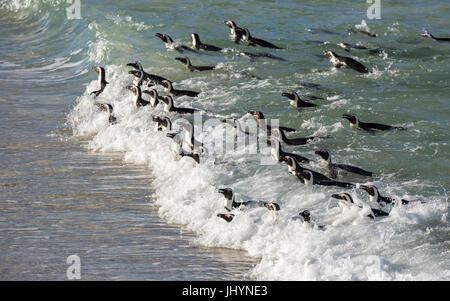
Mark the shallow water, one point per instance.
(136, 196)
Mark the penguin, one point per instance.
(260, 55)
(259, 116)
(189, 137)
(140, 102)
(169, 106)
(154, 97)
(236, 32)
(162, 123)
(101, 80)
(370, 127)
(346, 201)
(426, 34)
(226, 216)
(305, 217)
(308, 179)
(178, 148)
(152, 78)
(169, 43)
(334, 168)
(296, 101)
(347, 47)
(187, 62)
(277, 154)
(280, 135)
(339, 61)
(108, 108)
(197, 44)
(168, 87)
(255, 41)
(375, 197)
(364, 32)
(296, 169)
(231, 202)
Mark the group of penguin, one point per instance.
(379, 205)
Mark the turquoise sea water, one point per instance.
(63, 166)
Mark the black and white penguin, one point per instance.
(168, 87)
(177, 147)
(347, 47)
(101, 80)
(170, 44)
(364, 32)
(259, 116)
(231, 202)
(154, 97)
(153, 79)
(339, 61)
(139, 101)
(346, 202)
(162, 123)
(370, 127)
(280, 135)
(187, 62)
(260, 55)
(108, 108)
(197, 44)
(169, 106)
(305, 218)
(236, 31)
(334, 168)
(252, 41)
(384, 202)
(296, 170)
(426, 34)
(277, 154)
(189, 138)
(296, 101)
(308, 179)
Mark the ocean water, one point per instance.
(116, 196)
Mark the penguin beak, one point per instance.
(286, 94)
(346, 116)
(134, 65)
(156, 119)
(161, 36)
(222, 191)
(171, 135)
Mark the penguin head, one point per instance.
(306, 215)
(152, 92)
(324, 154)
(329, 53)
(426, 34)
(227, 193)
(184, 60)
(165, 38)
(135, 89)
(291, 95)
(167, 99)
(171, 135)
(107, 107)
(167, 85)
(134, 65)
(344, 197)
(230, 24)
(256, 114)
(228, 217)
(307, 176)
(271, 206)
(370, 189)
(351, 118)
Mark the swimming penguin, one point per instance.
(296, 101)
(226, 216)
(364, 32)
(280, 135)
(255, 41)
(262, 55)
(152, 78)
(154, 97)
(259, 116)
(426, 34)
(108, 108)
(370, 127)
(375, 197)
(231, 202)
(169, 43)
(277, 154)
(178, 147)
(101, 80)
(346, 202)
(139, 101)
(308, 179)
(236, 31)
(169, 106)
(168, 87)
(339, 61)
(187, 62)
(162, 123)
(197, 44)
(305, 217)
(347, 48)
(334, 168)
(296, 169)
